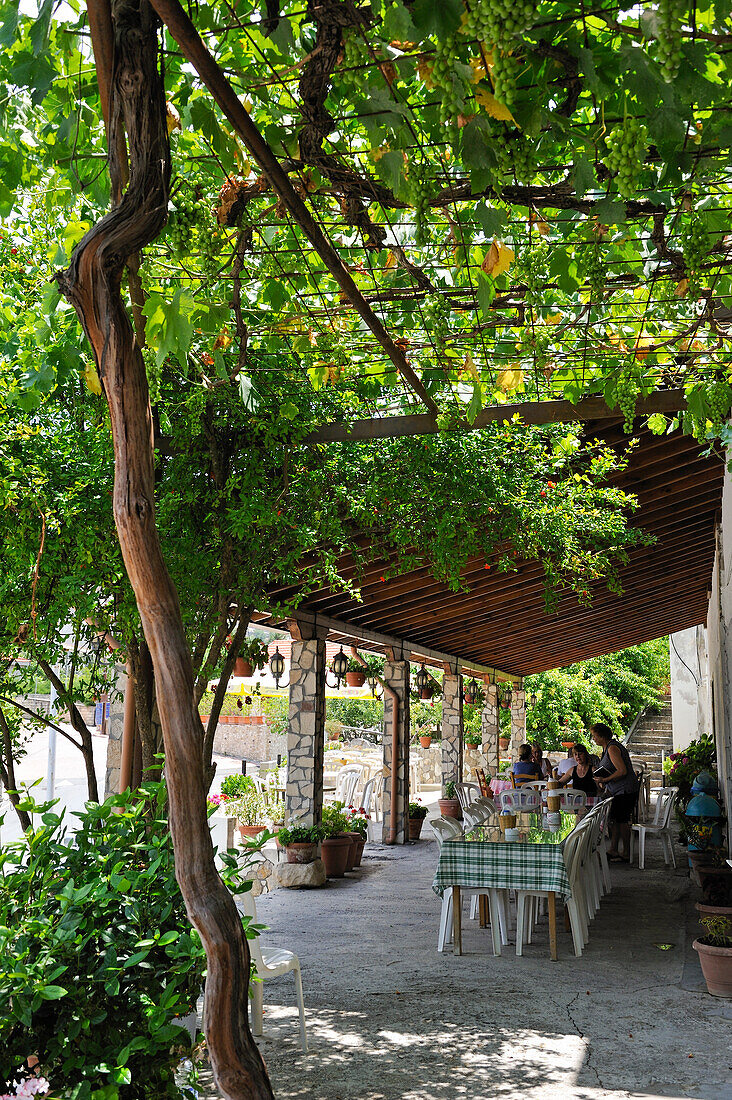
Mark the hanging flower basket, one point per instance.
(355, 679)
(242, 667)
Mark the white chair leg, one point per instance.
(474, 907)
(494, 906)
(575, 924)
(641, 849)
(605, 866)
(444, 936)
(257, 1008)
(631, 846)
(670, 845)
(520, 906)
(301, 1006)
(501, 898)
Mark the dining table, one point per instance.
(482, 859)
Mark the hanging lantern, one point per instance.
(471, 692)
(277, 665)
(340, 665)
(532, 700)
(506, 699)
(422, 678)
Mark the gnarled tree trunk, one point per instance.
(92, 284)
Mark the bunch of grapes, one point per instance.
(515, 158)
(505, 73)
(719, 399)
(436, 314)
(447, 80)
(695, 245)
(419, 193)
(154, 374)
(534, 276)
(181, 221)
(670, 16)
(596, 273)
(627, 148)
(627, 389)
(498, 20)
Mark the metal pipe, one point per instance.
(394, 793)
(128, 734)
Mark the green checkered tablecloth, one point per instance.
(501, 864)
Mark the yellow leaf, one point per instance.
(510, 379)
(172, 118)
(390, 261)
(681, 288)
(493, 106)
(470, 367)
(554, 318)
(377, 154)
(424, 72)
(498, 260)
(478, 70)
(223, 340)
(92, 380)
(643, 345)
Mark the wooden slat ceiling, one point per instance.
(501, 621)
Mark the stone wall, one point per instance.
(489, 721)
(452, 728)
(306, 731)
(518, 721)
(396, 675)
(248, 739)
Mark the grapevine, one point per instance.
(627, 147)
(670, 16)
(596, 273)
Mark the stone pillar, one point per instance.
(490, 727)
(452, 727)
(518, 720)
(114, 733)
(396, 676)
(306, 726)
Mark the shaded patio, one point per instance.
(389, 1017)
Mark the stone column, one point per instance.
(490, 725)
(518, 720)
(306, 726)
(396, 676)
(452, 727)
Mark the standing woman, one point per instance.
(618, 779)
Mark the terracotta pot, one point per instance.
(713, 910)
(251, 830)
(425, 742)
(716, 964)
(415, 827)
(450, 807)
(334, 851)
(301, 852)
(352, 852)
(426, 693)
(242, 667)
(355, 679)
(567, 744)
(359, 850)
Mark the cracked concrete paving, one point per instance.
(391, 1019)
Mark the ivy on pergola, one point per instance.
(408, 238)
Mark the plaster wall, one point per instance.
(689, 685)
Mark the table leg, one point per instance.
(552, 907)
(457, 932)
(483, 910)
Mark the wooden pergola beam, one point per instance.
(191, 45)
(531, 412)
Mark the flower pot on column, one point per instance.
(300, 842)
(425, 741)
(503, 743)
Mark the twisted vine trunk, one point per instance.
(92, 285)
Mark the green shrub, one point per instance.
(96, 953)
(235, 785)
(300, 834)
(417, 810)
(334, 820)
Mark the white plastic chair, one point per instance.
(467, 793)
(477, 815)
(346, 782)
(271, 962)
(521, 801)
(574, 847)
(659, 827)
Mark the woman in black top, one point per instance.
(580, 776)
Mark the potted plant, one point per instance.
(358, 823)
(425, 739)
(336, 844)
(253, 656)
(473, 740)
(417, 814)
(449, 803)
(355, 674)
(715, 954)
(249, 811)
(300, 842)
(234, 785)
(503, 742)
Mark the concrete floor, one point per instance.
(388, 1017)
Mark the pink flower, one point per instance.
(685, 760)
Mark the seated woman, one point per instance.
(580, 776)
(544, 765)
(524, 769)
